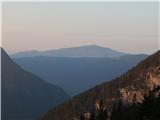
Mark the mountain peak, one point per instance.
(92, 45)
(81, 51)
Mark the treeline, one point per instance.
(149, 109)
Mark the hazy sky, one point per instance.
(124, 26)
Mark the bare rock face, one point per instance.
(153, 77)
(129, 88)
(131, 94)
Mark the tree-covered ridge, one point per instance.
(149, 109)
(129, 89)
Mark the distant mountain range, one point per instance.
(82, 73)
(25, 95)
(82, 51)
(129, 88)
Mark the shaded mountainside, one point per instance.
(148, 109)
(82, 51)
(129, 88)
(82, 73)
(24, 95)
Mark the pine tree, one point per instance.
(102, 113)
(82, 117)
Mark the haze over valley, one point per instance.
(72, 66)
(80, 61)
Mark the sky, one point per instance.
(131, 27)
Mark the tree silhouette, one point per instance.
(151, 105)
(149, 109)
(102, 113)
(82, 117)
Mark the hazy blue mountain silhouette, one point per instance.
(82, 51)
(24, 95)
(76, 75)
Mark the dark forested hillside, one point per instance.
(126, 90)
(148, 109)
(24, 95)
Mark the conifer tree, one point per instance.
(102, 113)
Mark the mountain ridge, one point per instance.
(80, 51)
(129, 87)
(25, 95)
(83, 73)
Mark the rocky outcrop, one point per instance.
(131, 94)
(129, 88)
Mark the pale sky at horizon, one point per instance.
(123, 26)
